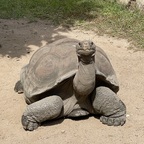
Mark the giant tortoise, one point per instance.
(70, 78)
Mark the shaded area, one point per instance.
(58, 11)
(80, 118)
(52, 122)
(104, 16)
(16, 37)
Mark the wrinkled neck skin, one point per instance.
(84, 80)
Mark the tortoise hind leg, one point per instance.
(18, 87)
(46, 109)
(106, 103)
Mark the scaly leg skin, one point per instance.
(18, 87)
(40, 111)
(106, 103)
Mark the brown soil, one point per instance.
(19, 40)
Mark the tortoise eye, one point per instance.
(91, 43)
(80, 44)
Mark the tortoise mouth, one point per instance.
(87, 52)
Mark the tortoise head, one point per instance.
(86, 51)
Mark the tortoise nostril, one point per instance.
(86, 46)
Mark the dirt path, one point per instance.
(19, 40)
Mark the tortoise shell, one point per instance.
(58, 61)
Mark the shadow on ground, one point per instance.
(17, 37)
(52, 122)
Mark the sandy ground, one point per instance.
(19, 40)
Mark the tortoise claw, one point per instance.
(29, 123)
(118, 121)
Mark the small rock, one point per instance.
(63, 131)
(0, 46)
(127, 115)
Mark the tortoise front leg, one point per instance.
(40, 111)
(106, 103)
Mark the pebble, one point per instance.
(127, 115)
(63, 131)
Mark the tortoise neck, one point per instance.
(84, 80)
(85, 60)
